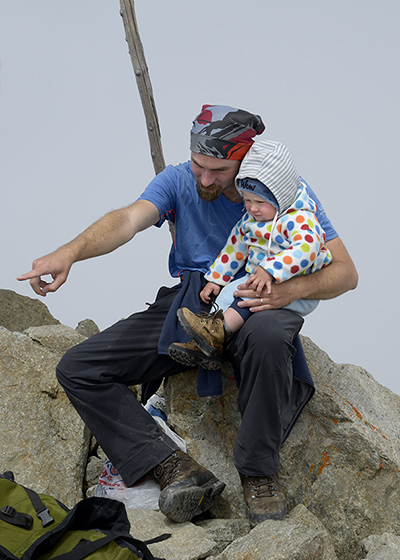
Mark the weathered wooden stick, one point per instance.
(143, 81)
(142, 75)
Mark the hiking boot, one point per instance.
(264, 498)
(187, 488)
(207, 330)
(189, 354)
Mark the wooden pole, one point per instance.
(142, 75)
(143, 82)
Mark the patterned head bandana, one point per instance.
(224, 132)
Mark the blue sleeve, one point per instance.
(161, 191)
(323, 219)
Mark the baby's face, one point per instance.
(258, 208)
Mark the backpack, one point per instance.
(36, 526)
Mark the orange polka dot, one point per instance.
(312, 256)
(239, 256)
(299, 219)
(279, 227)
(287, 260)
(215, 274)
(258, 233)
(297, 237)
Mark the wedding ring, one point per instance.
(261, 301)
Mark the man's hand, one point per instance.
(57, 264)
(330, 282)
(209, 288)
(277, 297)
(260, 280)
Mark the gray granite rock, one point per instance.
(187, 541)
(341, 460)
(18, 312)
(290, 539)
(87, 328)
(42, 439)
(382, 547)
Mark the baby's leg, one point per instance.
(232, 320)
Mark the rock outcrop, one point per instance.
(42, 440)
(17, 312)
(341, 460)
(339, 466)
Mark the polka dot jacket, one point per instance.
(290, 246)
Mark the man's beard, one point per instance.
(209, 195)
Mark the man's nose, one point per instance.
(207, 178)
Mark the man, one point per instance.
(201, 199)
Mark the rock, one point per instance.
(225, 531)
(17, 312)
(289, 539)
(300, 514)
(187, 541)
(93, 470)
(87, 328)
(56, 338)
(342, 458)
(94, 467)
(42, 439)
(382, 547)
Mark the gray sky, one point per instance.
(73, 145)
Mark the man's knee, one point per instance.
(69, 367)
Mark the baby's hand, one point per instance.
(259, 280)
(209, 288)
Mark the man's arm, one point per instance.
(107, 234)
(335, 279)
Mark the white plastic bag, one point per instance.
(143, 495)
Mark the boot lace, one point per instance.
(211, 316)
(166, 472)
(264, 487)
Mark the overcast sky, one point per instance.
(73, 144)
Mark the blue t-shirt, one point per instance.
(201, 228)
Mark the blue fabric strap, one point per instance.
(209, 383)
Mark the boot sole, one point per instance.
(190, 359)
(256, 518)
(201, 343)
(184, 500)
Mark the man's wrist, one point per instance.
(297, 287)
(72, 252)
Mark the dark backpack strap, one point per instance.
(84, 548)
(14, 517)
(41, 510)
(160, 538)
(8, 475)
